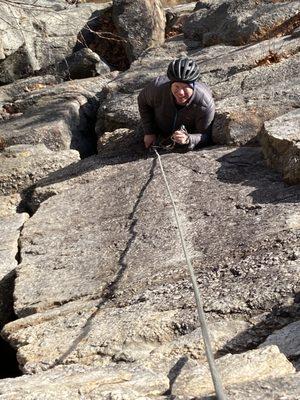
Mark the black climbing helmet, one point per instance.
(183, 70)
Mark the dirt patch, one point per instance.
(271, 58)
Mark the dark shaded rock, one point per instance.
(101, 35)
(175, 18)
(207, 4)
(141, 23)
(296, 33)
(11, 226)
(83, 63)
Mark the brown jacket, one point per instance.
(161, 117)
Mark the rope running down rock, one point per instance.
(207, 344)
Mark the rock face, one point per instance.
(50, 121)
(91, 214)
(34, 36)
(239, 22)
(118, 111)
(280, 141)
(116, 259)
(141, 22)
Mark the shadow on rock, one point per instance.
(110, 288)
(175, 372)
(252, 337)
(246, 166)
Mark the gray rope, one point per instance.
(207, 344)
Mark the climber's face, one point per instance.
(182, 92)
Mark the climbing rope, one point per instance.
(207, 344)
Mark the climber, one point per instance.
(177, 109)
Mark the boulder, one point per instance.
(77, 382)
(37, 36)
(10, 227)
(267, 389)
(22, 165)
(192, 345)
(141, 23)
(60, 116)
(280, 141)
(50, 120)
(240, 119)
(261, 389)
(82, 64)
(82, 333)
(239, 22)
(252, 366)
(287, 339)
(118, 110)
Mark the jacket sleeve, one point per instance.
(146, 100)
(203, 123)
